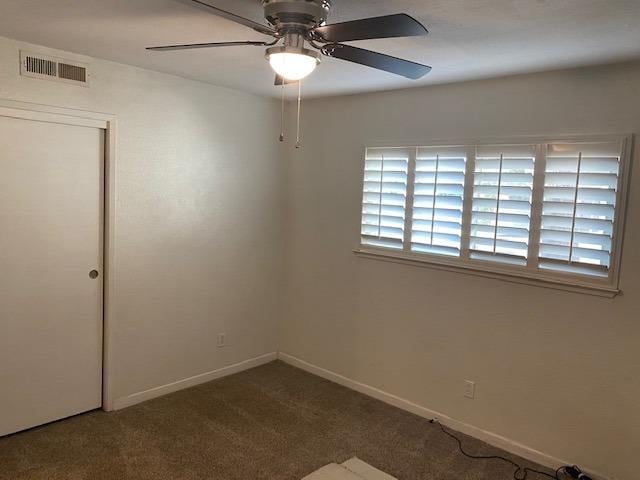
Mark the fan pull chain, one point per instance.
(282, 115)
(298, 144)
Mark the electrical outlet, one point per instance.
(222, 340)
(469, 389)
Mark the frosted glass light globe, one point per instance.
(292, 66)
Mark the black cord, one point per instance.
(520, 472)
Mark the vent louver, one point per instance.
(41, 66)
(72, 72)
(55, 69)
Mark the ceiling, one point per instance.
(468, 39)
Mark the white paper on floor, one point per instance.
(352, 469)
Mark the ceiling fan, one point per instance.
(294, 24)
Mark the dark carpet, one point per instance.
(271, 422)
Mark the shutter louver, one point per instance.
(579, 205)
(384, 197)
(501, 205)
(438, 198)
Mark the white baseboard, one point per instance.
(476, 432)
(145, 395)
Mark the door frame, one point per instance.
(106, 122)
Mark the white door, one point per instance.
(51, 178)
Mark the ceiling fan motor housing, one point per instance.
(296, 16)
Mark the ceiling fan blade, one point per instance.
(258, 27)
(380, 61)
(389, 26)
(192, 46)
(280, 80)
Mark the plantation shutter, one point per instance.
(438, 197)
(544, 212)
(384, 197)
(502, 197)
(579, 206)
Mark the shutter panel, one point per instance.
(579, 206)
(438, 197)
(384, 197)
(501, 205)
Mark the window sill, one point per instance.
(489, 271)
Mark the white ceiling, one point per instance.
(469, 38)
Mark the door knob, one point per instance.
(93, 274)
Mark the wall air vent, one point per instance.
(55, 69)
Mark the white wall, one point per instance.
(199, 217)
(556, 371)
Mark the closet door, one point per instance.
(51, 204)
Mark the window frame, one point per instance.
(530, 273)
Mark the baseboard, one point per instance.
(155, 392)
(491, 438)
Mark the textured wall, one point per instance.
(555, 371)
(199, 222)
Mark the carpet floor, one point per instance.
(273, 422)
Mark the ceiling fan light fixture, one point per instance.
(292, 63)
(295, 23)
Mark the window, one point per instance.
(502, 196)
(579, 207)
(438, 195)
(547, 211)
(384, 197)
